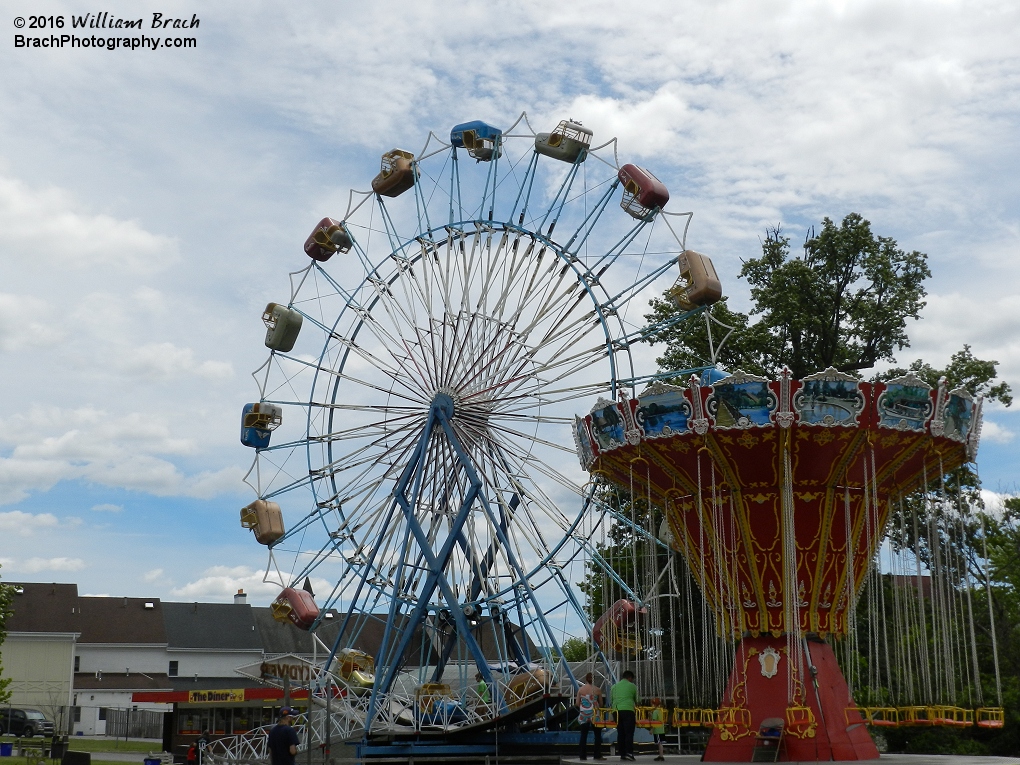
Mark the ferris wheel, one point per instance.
(415, 431)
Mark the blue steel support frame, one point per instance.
(439, 414)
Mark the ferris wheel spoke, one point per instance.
(535, 439)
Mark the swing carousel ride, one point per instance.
(778, 495)
(413, 424)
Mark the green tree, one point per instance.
(576, 649)
(965, 371)
(6, 608)
(843, 302)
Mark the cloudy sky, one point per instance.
(153, 201)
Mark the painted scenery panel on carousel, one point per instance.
(607, 425)
(741, 401)
(905, 404)
(582, 442)
(958, 415)
(663, 411)
(829, 398)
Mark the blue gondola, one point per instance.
(482, 141)
(258, 421)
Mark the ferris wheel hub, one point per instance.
(445, 401)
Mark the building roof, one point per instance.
(211, 626)
(122, 620)
(213, 683)
(279, 638)
(42, 607)
(120, 681)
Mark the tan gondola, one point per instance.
(527, 686)
(265, 519)
(698, 283)
(396, 175)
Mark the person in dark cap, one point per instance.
(283, 741)
(201, 744)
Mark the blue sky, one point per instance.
(152, 203)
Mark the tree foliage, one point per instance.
(6, 608)
(843, 302)
(974, 375)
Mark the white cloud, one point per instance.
(35, 565)
(133, 451)
(168, 361)
(219, 582)
(222, 582)
(992, 431)
(153, 575)
(51, 226)
(25, 524)
(27, 322)
(106, 507)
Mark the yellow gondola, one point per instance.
(800, 722)
(956, 717)
(604, 718)
(916, 716)
(990, 717)
(643, 717)
(883, 717)
(857, 715)
(686, 718)
(732, 722)
(707, 718)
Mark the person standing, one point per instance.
(483, 689)
(201, 744)
(659, 728)
(624, 695)
(283, 740)
(589, 698)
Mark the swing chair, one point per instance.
(883, 717)
(800, 722)
(916, 716)
(991, 717)
(952, 716)
(732, 722)
(604, 718)
(643, 717)
(686, 718)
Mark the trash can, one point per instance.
(7, 749)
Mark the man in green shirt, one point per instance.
(624, 695)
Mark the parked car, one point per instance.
(24, 722)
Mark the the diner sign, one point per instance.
(228, 696)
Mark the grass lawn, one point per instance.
(81, 744)
(26, 761)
